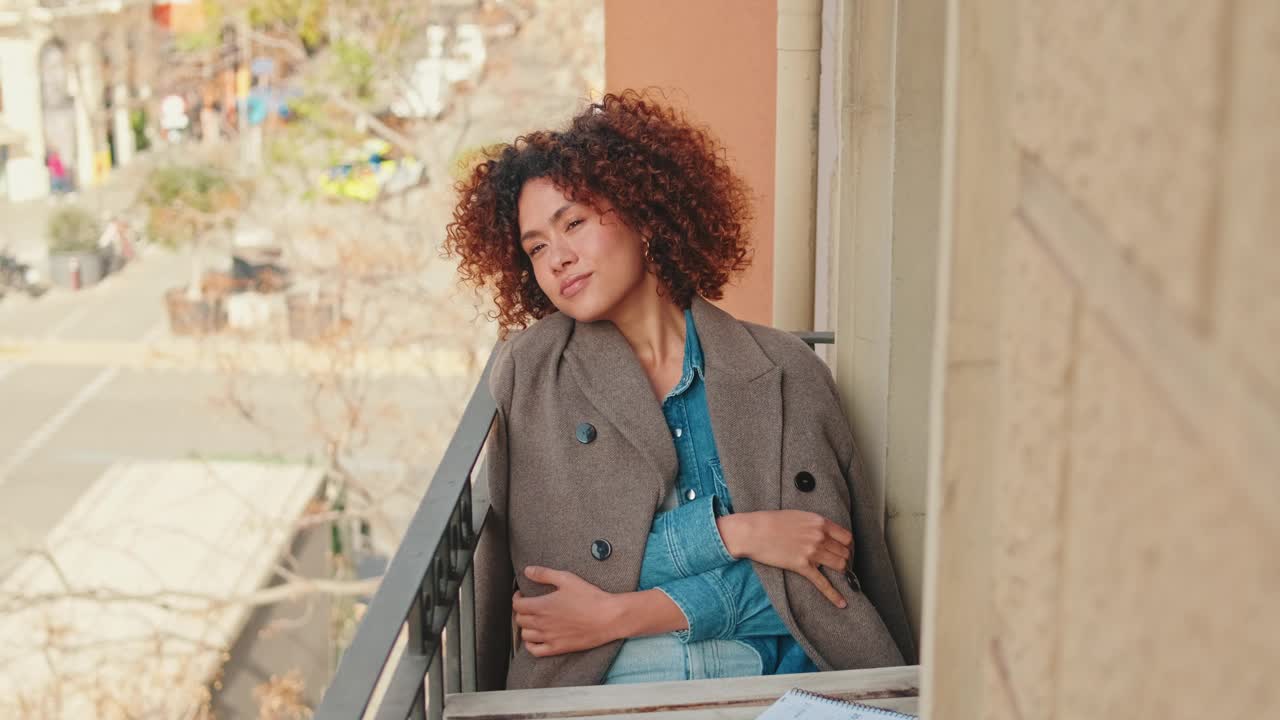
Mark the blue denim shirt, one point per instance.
(733, 628)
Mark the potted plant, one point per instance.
(188, 205)
(74, 256)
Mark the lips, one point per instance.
(572, 285)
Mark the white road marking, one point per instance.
(40, 437)
(71, 318)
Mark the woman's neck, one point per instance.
(653, 326)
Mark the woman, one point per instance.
(673, 490)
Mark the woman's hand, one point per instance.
(575, 616)
(580, 616)
(793, 540)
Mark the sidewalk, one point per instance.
(23, 225)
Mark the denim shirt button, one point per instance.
(691, 494)
(679, 432)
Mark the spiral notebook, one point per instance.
(801, 705)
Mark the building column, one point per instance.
(884, 125)
(87, 93)
(799, 42)
(28, 178)
(979, 188)
(121, 131)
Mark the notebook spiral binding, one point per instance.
(837, 701)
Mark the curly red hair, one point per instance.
(669, 180)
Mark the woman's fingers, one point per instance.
(531, 635)
(538, 649)
(824, 586)
(528, 622)
(548, 576)
(528, 605)
(837, 549)
(839, 534)
(544, 649)
(831, 560)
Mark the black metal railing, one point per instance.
(427, 595)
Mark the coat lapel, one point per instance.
(610, 376)
(744, 395)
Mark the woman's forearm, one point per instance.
(736, 533)
(646, 612)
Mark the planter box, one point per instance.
(312, 318)
(194, 317)
(250, 311)
(92, 268)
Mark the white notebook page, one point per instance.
(800, 705)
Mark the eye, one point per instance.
(572, 224)
(534, 250)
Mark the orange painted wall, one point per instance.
(716, 59)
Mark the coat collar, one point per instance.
(744, 395)
(727, 347)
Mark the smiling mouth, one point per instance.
(572, 288)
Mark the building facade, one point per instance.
(1044, 234)
(71, 76)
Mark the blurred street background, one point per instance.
(222, 259)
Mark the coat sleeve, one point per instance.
(495, 578)
(872, 563)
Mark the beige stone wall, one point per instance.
(1130, 565)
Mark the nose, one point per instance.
(562, 256)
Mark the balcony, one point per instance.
(414, 654)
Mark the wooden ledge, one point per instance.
(896, 688)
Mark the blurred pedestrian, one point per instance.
(59, 180)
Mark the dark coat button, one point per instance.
(601, 549)
(805, 481)
(853, 581)
(586, 432)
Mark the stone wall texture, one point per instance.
(1136, 503)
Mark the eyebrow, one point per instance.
(554, 217)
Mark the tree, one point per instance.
(188, 204)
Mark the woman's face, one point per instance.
(587, 261)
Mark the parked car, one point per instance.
(369, 172)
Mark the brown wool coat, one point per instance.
(775, 414)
